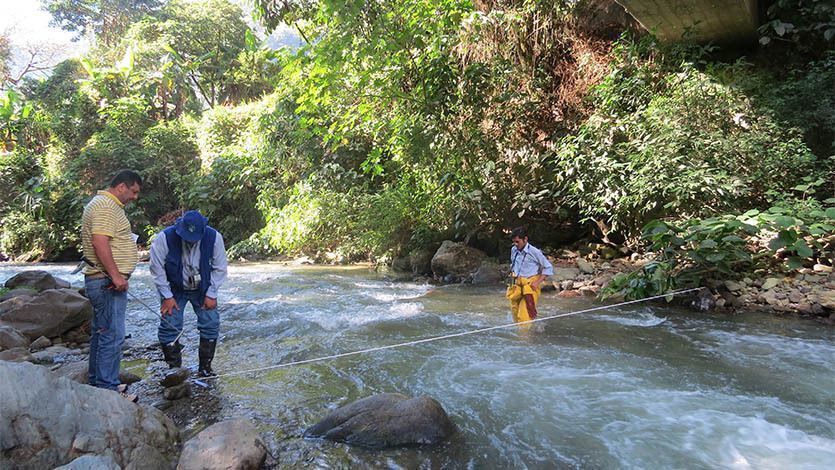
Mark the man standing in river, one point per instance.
(107, 241)
(529, 268)
(188, 264)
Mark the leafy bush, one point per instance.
(683, 143)
(723, 247)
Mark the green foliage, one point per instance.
(780, 238)
(808, 25)
(107, 19)
(15, 118)
(71, 115)
(686, 143)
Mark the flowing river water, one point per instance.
(644, 386)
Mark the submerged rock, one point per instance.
(228, 445)
(47, 421)
(386, 420)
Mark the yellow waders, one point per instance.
(516, 294)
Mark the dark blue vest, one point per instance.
(174, 259)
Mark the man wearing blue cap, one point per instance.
(188, 264)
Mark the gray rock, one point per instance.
(565, 274)
(386, 420)
(568, 284)
(11, 338)
(77, 372)
(421, 262)
(14, 303)
(770, 297)
(704, 301)
(176, 392)
(456, 259)
(41, 343)
(17, 355)
(174, 377)
(795, 296)
(401, 264)
(18, 292)
(128, 378)
(585, 266)
(770, 283)
(50, 314)
(227, 445)
(79, 334)
(733, 286)
(44, 419)
(38, 280)
(488, 273)
(826, 299)
(92, 462)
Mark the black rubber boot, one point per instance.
(206, 353)
(173, 354)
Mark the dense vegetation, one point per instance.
(399, 124)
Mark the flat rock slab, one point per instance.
(227, 445)
(386, 420)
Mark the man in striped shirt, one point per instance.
(107, 241)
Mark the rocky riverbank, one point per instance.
(49, 417)
(808, 292)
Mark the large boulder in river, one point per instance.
(38, 280)
(386, 420)
(47, 421)
(50, 314)
(11, 338)
(228, 445)
(456, 259)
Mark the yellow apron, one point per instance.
(516, 295)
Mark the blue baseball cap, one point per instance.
(190, 226)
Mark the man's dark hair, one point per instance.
(129, 177)
(520, 232)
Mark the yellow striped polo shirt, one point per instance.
(105, 215)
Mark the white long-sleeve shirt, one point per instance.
(191, 265)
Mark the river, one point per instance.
(646, 386)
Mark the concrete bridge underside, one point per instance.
(720, 21)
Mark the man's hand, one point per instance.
(118, 282)
(168, 306)
(537, 282)
(209, 303)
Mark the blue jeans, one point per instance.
(208, 321)
(107, 333)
